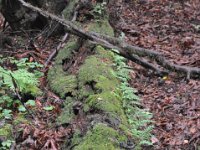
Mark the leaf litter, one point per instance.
(170, 27)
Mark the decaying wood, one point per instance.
(126, 50)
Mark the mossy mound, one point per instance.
(101, 137)
(95, 85)
(60, 81)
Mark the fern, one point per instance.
(26, 82)
(24, 79)
(139, 119)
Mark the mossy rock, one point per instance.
(104, 54)
(101, 137)
(104, 94)
(108, 103)
(96, 85)
(92, 69)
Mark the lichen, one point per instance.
(101, 137)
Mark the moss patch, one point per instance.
(6, 132)
(91, 76)
(96, 85)
(67, 112)
(64, 85)
(66, 52)
(101, 137)
(101, 26)
(60, 81)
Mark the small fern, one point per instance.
(138, 118)
(26, 81)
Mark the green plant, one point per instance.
(139, 119)
(48, 108)
(7, 113)
(99, 10)
(5, 145)
(21, 81)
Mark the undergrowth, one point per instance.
(17, 79)
(138, 118)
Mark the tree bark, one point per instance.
(21, 18)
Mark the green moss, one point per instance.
(6, 131)
(102, 27)
(66, 52)
(99, 86)
(101, 137)
(91, 75)
(77, 137)
(106, 55)
(105, 84)
(69, 10)
(109, 103)
(67, 112)
(92, 69)
(64, 84)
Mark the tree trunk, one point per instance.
(21, 18)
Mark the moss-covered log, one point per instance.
(93, 88)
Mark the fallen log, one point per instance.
(126, 50)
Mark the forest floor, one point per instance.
(168, 26)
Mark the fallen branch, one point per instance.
(55, 51)
(126, 50)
